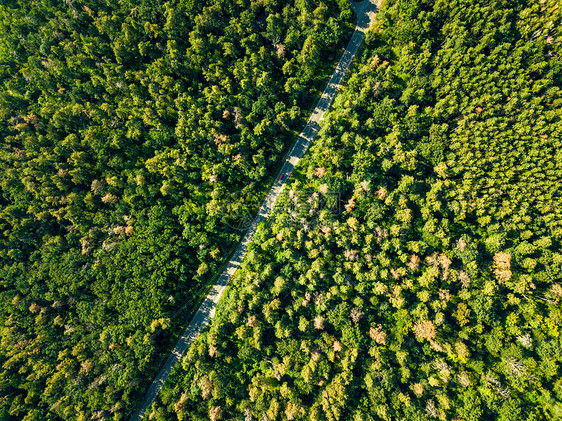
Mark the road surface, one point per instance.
(365, 12)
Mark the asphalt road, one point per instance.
(365, 12)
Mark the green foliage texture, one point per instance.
(125, 126)
(433, 290)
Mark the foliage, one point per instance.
(125, 126)
(435, 291)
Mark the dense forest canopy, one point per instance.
(435, 293)
(125, 127)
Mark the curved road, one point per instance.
(365, 12)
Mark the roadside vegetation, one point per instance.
(413, 268)
(125, 129)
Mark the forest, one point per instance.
(131, 133)
(432, 288)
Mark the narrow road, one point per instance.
(365, 12)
